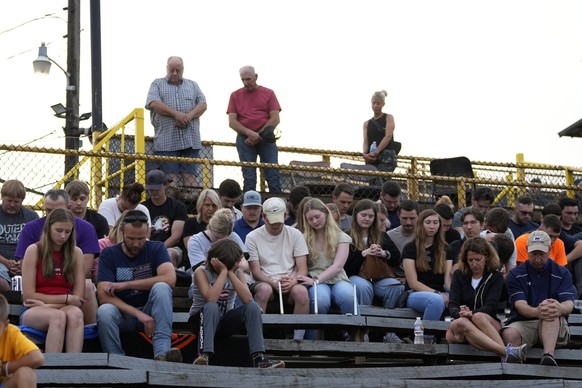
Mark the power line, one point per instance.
(47, 16)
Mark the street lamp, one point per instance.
(70, 113)
(42, 65)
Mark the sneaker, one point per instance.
(548, 360)
(262, 361)
(202, 359)
(392, 338)
(173, 355)
(515, 354)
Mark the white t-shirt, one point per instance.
(276, 254)
(111, 212)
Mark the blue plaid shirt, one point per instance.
(183, 98)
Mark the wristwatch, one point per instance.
(437, 292)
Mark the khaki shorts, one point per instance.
(530, 332)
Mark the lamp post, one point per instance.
(42, 65)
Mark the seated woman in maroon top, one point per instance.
(53, 285)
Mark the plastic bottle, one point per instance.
(418, 332)
(373, 147)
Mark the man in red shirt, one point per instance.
(251, 109)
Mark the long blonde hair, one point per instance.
(331, 229)
(67, 250)
(439, 245)
(115, 235)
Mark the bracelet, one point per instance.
(6, 369)
(315, 280)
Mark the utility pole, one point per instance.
(72, 141)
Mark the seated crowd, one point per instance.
(313, 256)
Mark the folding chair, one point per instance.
(366, 186)
(454, 167)
(319, 183)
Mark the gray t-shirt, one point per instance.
(10, 227)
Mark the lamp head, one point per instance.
(42, 64)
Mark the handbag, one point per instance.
(376, 268)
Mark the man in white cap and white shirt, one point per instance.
(251, 215)
(541, 294)
(278, 254)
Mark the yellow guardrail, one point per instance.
(123, 148)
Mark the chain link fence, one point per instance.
(106, 170)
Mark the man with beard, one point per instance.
(403, 234)
(134, 285)
(13, 216)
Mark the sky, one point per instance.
(484, 79)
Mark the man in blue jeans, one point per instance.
(135, 282)
(251, 109)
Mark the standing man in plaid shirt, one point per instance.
(175, 105)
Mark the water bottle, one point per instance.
(418, 332)
(373, 147)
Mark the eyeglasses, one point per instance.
(136, 218)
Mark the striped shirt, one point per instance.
(183, 98)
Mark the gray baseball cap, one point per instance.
(252, 198)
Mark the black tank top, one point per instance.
(377, 131)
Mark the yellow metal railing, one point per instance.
(509, 180)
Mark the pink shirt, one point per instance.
(253, 108)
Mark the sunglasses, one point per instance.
(136, 218)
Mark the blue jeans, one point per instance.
(111, 322)
(179, 168)
(388, 290)
(430, 304)
(268, 153)
(340, 294)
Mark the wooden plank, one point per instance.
(575, 319)
(485, 383)
(96, 360)
(550, 372)
(576, 331)
(405, 324)
(313, 321)
(135, 363)
(180, 317)
(384, 312)
(466, 351)
(353, 348)
(84, 377)
(233, 379)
